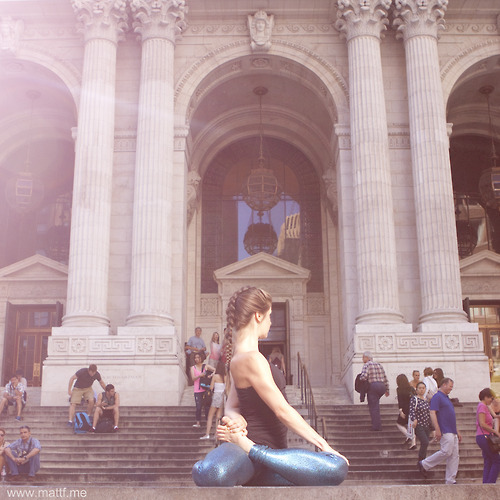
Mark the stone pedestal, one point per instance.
(144, 365)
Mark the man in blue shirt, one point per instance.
(444, 421)
(195, 345)
(23, 455)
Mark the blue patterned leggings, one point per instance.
(229, 465)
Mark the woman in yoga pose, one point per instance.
(257, 416)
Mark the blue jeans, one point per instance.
(31, 468)
(422, 434)
(198, 399)
(491, 460)
(375, 392)
(229, 465)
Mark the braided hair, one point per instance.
(244, 303)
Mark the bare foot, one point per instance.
(238, 438)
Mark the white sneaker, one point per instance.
(196, 425)
(206, 436)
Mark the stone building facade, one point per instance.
(128, 128)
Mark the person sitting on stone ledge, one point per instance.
(83, 379)
(13, 395)
(23, 455)
(107, 408)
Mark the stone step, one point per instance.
(159, 446)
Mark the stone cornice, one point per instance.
(159, 18)
(361, 18)
(105, 19)
(419, 17)
(10, 34)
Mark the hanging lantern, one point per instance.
(260, 237)
(261, 190)
(489, 182)
(24, 192)
(489, 187)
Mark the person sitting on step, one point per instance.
(13, 395)
(23, 455)
(83, 380)
(107, 408)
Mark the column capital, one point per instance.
(362, 18)
(10, 34)
(106, 19)
(419, 17)
(159, 18)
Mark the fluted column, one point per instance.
(159, 23)
(101, 22)
(418, 22)
(374, 222)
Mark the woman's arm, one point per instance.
(481, 417)
(253, 369)
(234, 421)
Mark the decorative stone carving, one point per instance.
(144, 344)
(315, 305)
(10, 34)
(106, 19)
(430, 344)
(159, 18)
(98, 346)
(261, 27)
(420, 17)
(78, 345)
(193, 184)
(209, 306)
(330, 180)
(362, 18)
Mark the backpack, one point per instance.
(105, 425)
(205, 379)
(82, 423)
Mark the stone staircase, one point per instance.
(382, 458)
(157, 446)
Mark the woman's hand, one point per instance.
(414, 424)
(235, 425)
(328, 449)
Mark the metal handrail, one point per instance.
(307, 398)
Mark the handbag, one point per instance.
(207, 397)
(410, 431)
(205, 379)
(493, 442)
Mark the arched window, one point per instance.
(232, 231)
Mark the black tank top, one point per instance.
(262, 424)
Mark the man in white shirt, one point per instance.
(430, 384)
(13, 395)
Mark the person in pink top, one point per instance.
(485, 426)
(215, 350)
(198, 370)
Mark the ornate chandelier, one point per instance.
(489, 182)
(261, 190)
(260, 237)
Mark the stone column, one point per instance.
(159, 23)
(102, 23)
(418, 23)
(362, 26)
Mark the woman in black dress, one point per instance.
(257, 416)
(404, 392)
